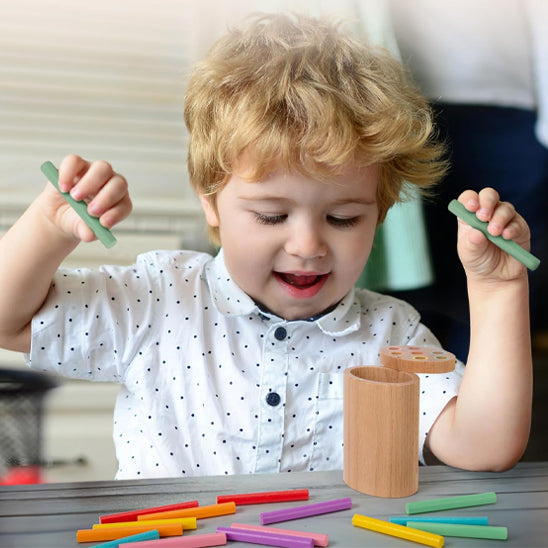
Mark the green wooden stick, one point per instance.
(450, 503)
(509, 246)
(103, 234)
(462, 520)
(460, 530)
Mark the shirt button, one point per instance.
(273, 399)
(280, 333)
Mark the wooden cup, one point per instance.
(381, 422)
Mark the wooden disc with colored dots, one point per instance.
(417, 359)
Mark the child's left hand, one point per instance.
(482, 260)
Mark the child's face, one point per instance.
(294, 244)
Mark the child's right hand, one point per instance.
(105, 191)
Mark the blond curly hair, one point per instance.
(302, 95)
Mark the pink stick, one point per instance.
(194, 541)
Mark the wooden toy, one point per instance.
(381, 420)
(417, 359)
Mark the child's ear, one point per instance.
(208, 205)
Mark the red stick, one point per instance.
(132, 514)
(265, 497)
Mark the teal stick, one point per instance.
(509, 246)
(139, 537)
(463, 520)
(450, 503)
(103, 234)
(459, 530)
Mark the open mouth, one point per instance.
(302, 285)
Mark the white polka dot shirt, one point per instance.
(210, 384)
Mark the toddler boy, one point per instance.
(300, 141)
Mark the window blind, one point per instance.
(103, 79)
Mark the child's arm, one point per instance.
(487, 426)
(32, 250)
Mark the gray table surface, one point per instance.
(39, 516)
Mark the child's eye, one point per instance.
(343, 222)
(270, 219)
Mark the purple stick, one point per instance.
(268, 539)
(305, 511)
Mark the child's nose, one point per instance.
(307, 243)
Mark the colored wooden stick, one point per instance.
(306, 510)
(509, 246)
(146, 535)
(103, 234)
(464, 520)
(460, 530)
(132, 514)
(400, 531)
(198, 512)
(187, 523)
(450, 503)
(319, 539)
(265, 497)
(91, 535)
(268, 539)
(194, 541)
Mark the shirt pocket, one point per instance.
(327, 451)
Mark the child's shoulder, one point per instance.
(173, 259)
(374, 301)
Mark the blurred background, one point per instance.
(106, 80)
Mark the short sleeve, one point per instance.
(95, 321)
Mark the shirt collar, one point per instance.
(226, 294)
(231, 300)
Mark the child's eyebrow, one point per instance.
(283, 200)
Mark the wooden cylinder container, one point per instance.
(381, 421)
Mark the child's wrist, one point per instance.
(489, 287)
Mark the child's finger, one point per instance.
(112, 192)
(501, 217)
(91, 182)
(488, 208)
(71, 169)
(488, 200)
(116, 213)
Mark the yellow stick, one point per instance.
(198, 512)
(400, 531)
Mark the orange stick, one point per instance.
(198, 512)
(187, 523)
(92, 535)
